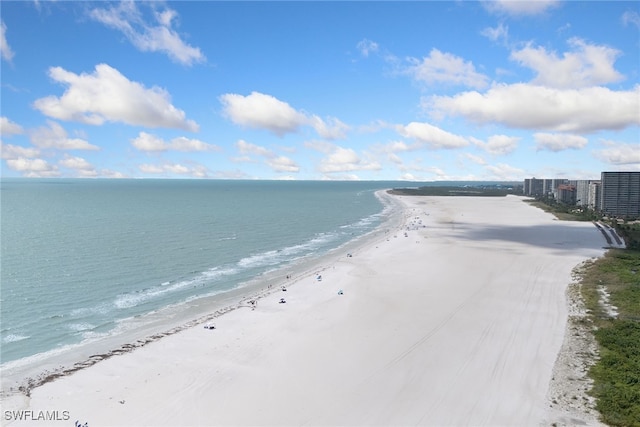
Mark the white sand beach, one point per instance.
(458, 322)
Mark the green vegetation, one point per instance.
(487, 191)
(563, 211)
(630, 232)
(616, 374)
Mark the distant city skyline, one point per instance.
(614, 193)
(417, 91)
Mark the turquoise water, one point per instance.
(79, 257)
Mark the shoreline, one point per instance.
(266, 351)
(21, 380)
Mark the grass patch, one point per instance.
(616, 374)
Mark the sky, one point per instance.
(327, 90)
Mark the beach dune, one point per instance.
(456, 318)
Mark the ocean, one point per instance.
(83, 261)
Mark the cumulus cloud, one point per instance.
(261, 111)
(330, 129)
(346, 160)
(10, 151)
(586, 65)
(498, 144)
(148, 142)
(441, 67)
(497, 33)
(283, 164)
(5, 49)
(245, 147)
(8, 128)
(33, 168)
(107, 95)
(527, 106)
(275, 162)
(519, 7)
(559, 141)
(195, 171)
(54, 136)
(427, 135)
(79, 165)
(618, 153)
(158, 36)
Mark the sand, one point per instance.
(457, 318)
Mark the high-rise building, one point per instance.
(567, 194)
(582, 191)
(533, 187)
(594, 195)
(620, 194)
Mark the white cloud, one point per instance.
(283, 164)
(108, 173)
(8, 128)
(321, 146)
(33, 167)
(75, 163)
(445, 68)
(15, 151)
(495, 34)
(334, 129)
(393, 157)
(245, 147)
(498, 144)
(519, 7)
(168, 169)
(148, 142)
(585, 65)
(631, 17)
(618, 153)
(366, 47)
(345, 160)
(107, 95)
(528, 106)
(559, 141)
(341, 177)
(5, 49)
(152, 37)
(81, 166)
(277, 163)
(54, 136)
(261, 111)
(409, 177)
(475, 159)
(396, 146)
(504, 172)
(375, 126)
(427, 135)
(151, 169)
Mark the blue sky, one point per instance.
(500, 90)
